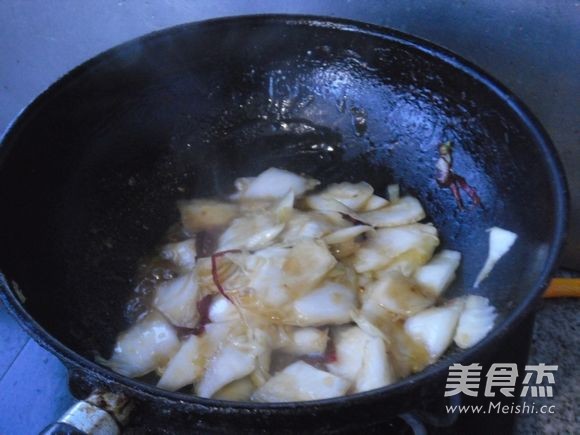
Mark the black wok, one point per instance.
(91, 170)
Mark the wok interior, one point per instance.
(91, 172)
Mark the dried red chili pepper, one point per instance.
(446, 177)
(203, 309)
(203, 306)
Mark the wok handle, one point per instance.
(61, 429)
(563, 288)
(418, 421)
(102, 413)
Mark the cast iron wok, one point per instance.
(91, 170)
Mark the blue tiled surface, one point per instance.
(33, 382)
(12, 340)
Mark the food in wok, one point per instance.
(289, 291)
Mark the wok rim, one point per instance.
(542, 141)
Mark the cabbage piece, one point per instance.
(301, 381)
(255, 206)
(364, 279)
(435, 327)
(259, 205)
(275, 183)
(343, 274)
(374, 203)
(500, 241)
(367, 324)
(406, 354)
(279, 274)
(376, 370)
(146, 346)
(202, 214)
(177, 300)
(329, 304)
(345, 241)
(361, 358)
(345, 250)
(349, 343)
(283, 209)
(230, 274)
(259, 226)
(346, 234)
(193, 360)
(229, 351)
(417, 241)
(222, 310)
(216, 334)
(395, 293)
(182, 254)
(240, 390)
(305, 341)
(185, 367)
(435, 276)
(352, 195)
(229, 364)
(267, 279)
(406, 264)
(262, 343)
(326, 204)
(406, 210)
(277, 206)
(475, 322)
(250, 232)
(306, 225)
